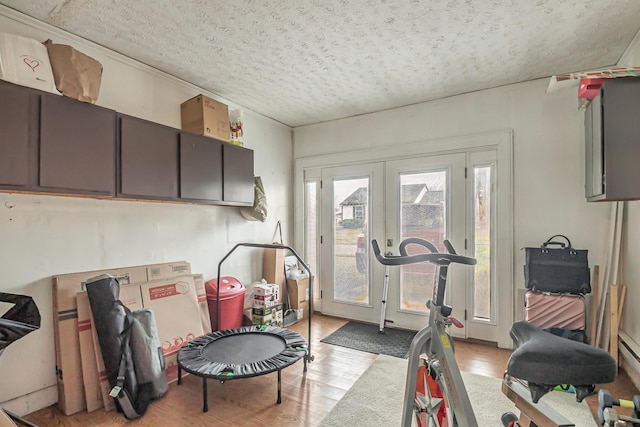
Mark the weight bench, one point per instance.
(542, 361)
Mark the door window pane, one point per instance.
(482, 247)
(350, 240)
(422, 215)
(311, 227)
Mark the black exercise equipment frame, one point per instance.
(308, 357)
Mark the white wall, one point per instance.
(548, 155)
(48, 235)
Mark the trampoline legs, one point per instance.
(205, 395)
(279, 386)
(205, 400)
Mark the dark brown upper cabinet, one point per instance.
(612, 134)
(54, 144)
(237, 165)
(77, 147)
(200, 168)
(148, 159)
(18, 136)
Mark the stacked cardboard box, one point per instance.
(266, 295)
(272, 316)
(267, 309)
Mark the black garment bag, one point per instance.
(19, 320)
(22, 318)
(113, 326)
(557, 267)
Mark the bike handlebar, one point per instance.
(415, 241)
(435, 257)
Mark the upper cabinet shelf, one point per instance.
(612, 133)
(49, 143)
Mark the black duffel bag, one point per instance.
(557, 267)
(130, 348)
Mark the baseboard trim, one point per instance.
(629, 362)
(32, 402)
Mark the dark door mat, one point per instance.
(365, 337)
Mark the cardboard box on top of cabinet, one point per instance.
(589, 88)
(25, 61)
(205, 116)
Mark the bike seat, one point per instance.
(546, 359)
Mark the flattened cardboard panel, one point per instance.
(5, 421)
(201, 292)
(167, 298)
(90, 379)
(71, 397)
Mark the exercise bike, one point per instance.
(435, 393)
(434, 390)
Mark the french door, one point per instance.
(432, 197)
(352, 205)
(425, 198)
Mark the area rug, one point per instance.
(365, 337)
(376, 399)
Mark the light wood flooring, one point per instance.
(306, 398)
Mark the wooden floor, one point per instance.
(306, 398)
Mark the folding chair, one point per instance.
(17, 322)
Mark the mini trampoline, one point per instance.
(243, 352)
(248, 351)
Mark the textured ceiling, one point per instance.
(309, 61)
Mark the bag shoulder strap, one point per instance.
(132, 410)
(550, 242)
(126, 336)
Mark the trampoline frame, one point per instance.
(309, 357)
(207, 339)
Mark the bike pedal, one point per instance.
(458, 324)
(509, 419)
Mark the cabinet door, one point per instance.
(237, 174)
(620, 133)
(77, 146)
(200, 168)
(18, 126)
(593, 149)
(612, 149)
(148, 159)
